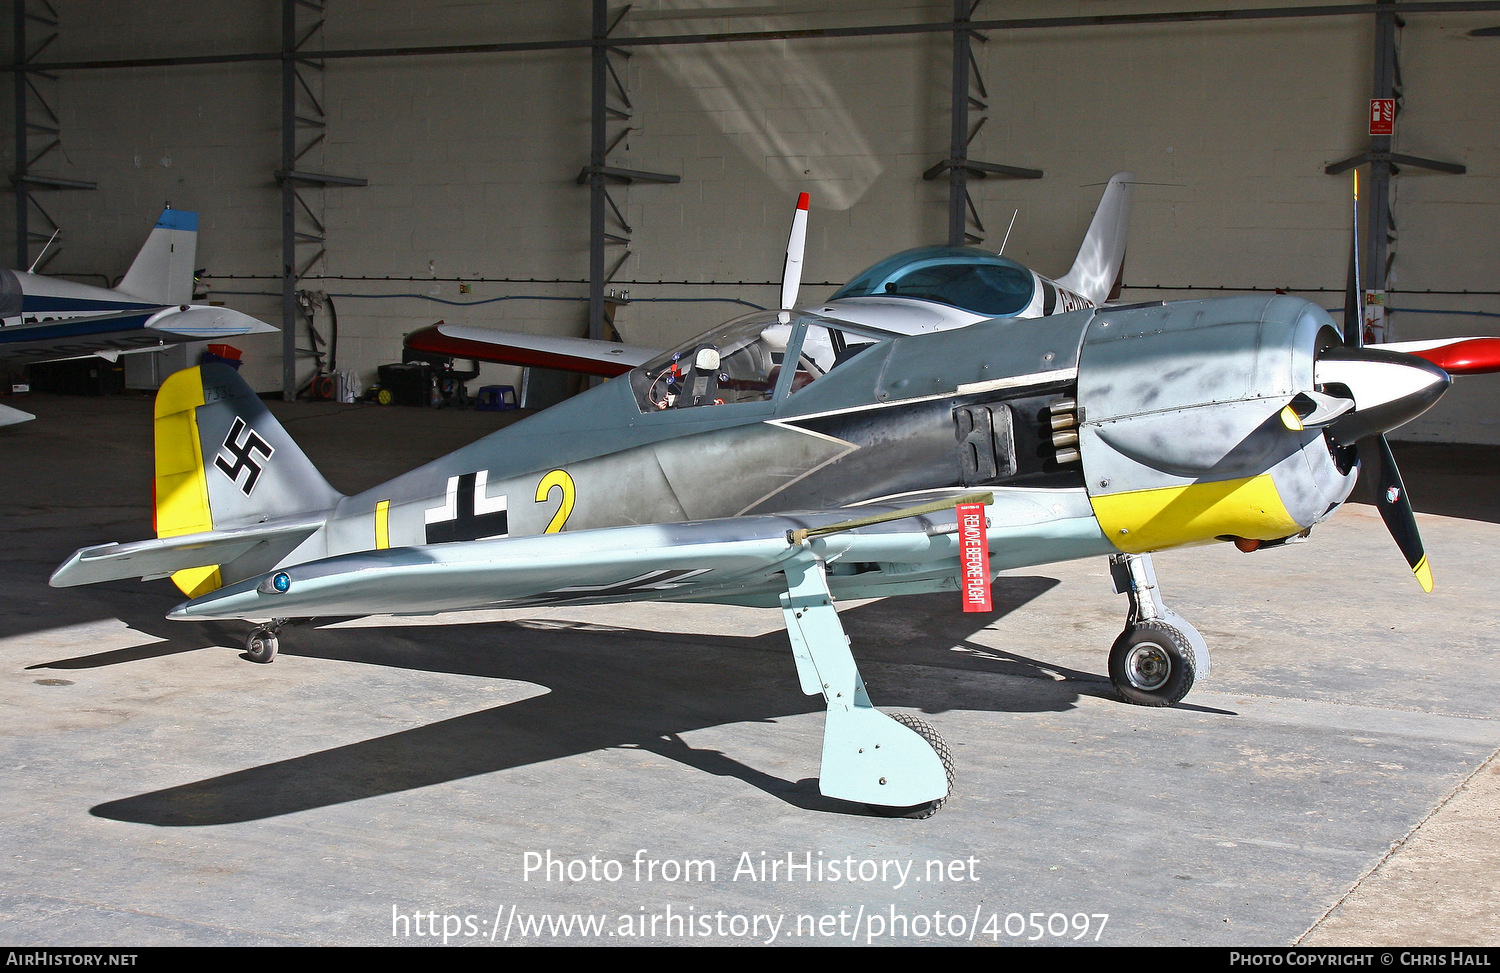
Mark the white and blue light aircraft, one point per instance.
(50, 319)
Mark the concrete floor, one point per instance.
(1335, 782)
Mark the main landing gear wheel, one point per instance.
(261, 645)
(1151, 664)
(934, 740)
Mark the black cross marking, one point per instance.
(242, 455)
(466, 525)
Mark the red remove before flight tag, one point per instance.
(974, 558)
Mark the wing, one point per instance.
(605, 358)
(739, 560)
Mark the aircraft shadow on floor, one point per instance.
(615, 688)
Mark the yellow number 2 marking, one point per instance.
(560, 480)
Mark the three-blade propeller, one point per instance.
(1401, 387)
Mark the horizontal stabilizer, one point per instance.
(159, 558)
(206, 323)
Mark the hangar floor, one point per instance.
(1334, 782)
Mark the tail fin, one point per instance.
(223, 462)
(1098, 263)
(163, 270)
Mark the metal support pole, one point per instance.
(288, 201)
(23, 240)
(1380, 149)
(1383, 162)
(960, 168)
(596, 166)
(958, 144)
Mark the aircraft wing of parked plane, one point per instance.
(47, 318)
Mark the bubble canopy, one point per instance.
(744, 360)
(963, 277)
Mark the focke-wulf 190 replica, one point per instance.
(792, 458)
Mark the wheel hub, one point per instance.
(1148, 666)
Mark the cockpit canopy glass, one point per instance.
(962, 277)
(743, 361)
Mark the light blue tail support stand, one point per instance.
(867, 756)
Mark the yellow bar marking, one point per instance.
(382, 525)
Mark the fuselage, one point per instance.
(1159, 422)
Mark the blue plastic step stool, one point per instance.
(496, 398)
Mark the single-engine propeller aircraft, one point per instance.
(791, 458)
(47, 318)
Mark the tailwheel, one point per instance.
(1152, 664)
(934, 740)
(261, 645)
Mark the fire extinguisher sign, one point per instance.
(1382, 116)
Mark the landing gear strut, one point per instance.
(895, 763)
(1156, 659)
(261, 644)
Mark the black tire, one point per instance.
(1152, 664)
(934, 740)
(261, 646)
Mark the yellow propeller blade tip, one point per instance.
(1424, 574)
